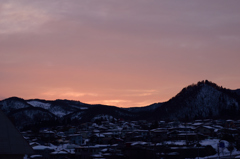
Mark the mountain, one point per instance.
(237, 91)
(200, 101)
(23, 114)
(101, 110)
(13, 103)
(149, 108)
(197, 101)
(58, 107)
(26, 117)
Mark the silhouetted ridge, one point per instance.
(202, 100)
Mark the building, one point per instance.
(12, 143)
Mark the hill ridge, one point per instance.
(204, 99)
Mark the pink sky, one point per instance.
(117, 52)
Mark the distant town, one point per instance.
(110, 138)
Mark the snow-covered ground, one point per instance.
(83, 108)
(103, 116)
(222, 152)
(179, 142)
(213, 142)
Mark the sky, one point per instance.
(116, 52)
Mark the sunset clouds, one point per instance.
(125, 53)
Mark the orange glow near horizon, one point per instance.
(121, 53)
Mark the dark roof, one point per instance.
(11, 140)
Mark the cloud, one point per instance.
(138, 47)
(16, 17)
(66, 93)
(140, 93)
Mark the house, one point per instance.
(118, 141)
(183, 128)
(47, 136)
(159, 135)
(62, 154)
(139, 152)
(173, 135)
(197, 124)
(206, 130)
(43, 150)
(188, 136)
(97, 138)
(230, 124)
(12, 143)
(71, 130)
(76, 139)
(115, 132)
(86, 151)
(85, 134)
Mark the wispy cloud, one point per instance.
(140, 92)
(20, 18)
(66, 93)
(120, 52)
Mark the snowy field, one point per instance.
(222, 152)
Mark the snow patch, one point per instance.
(58, 113)
(39, 104)
(83, 108)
